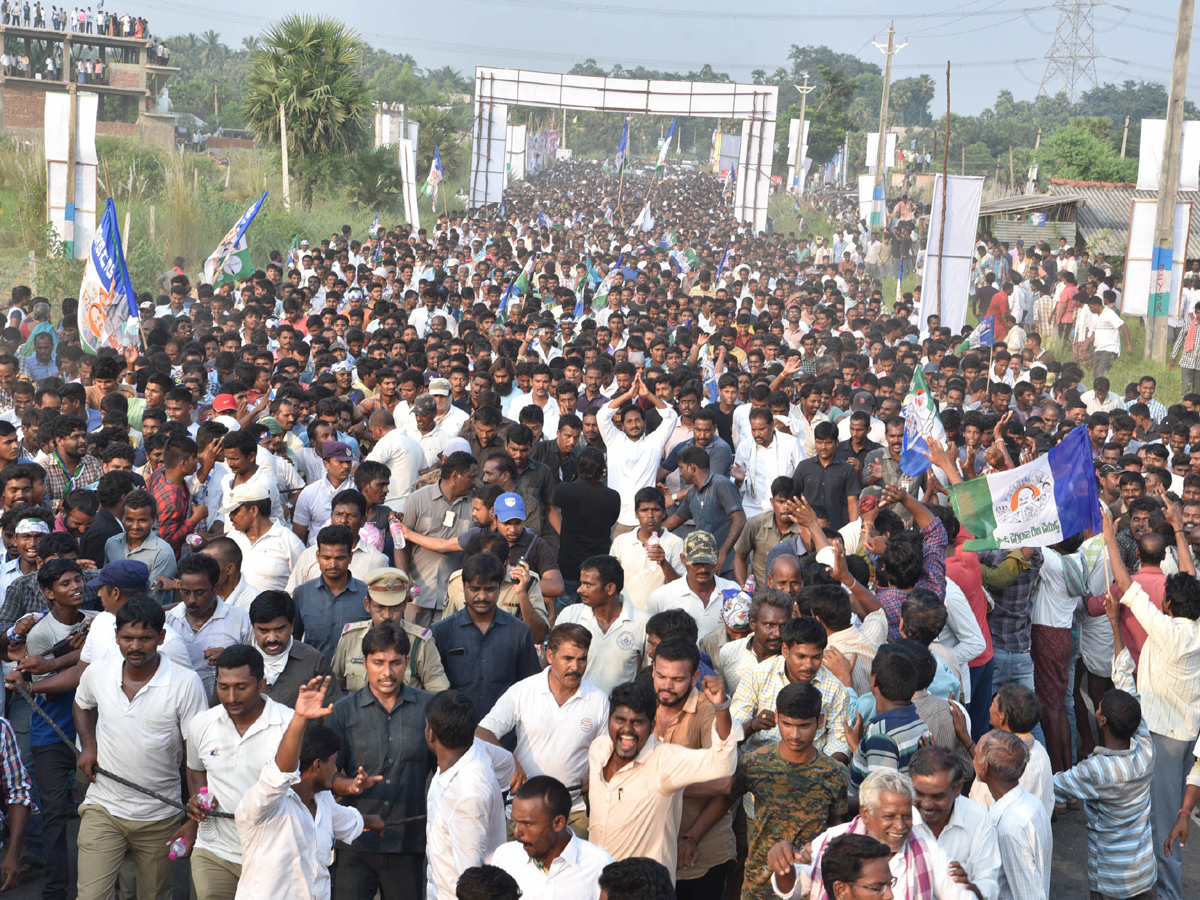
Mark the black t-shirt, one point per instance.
(828, 486)
(589, 512)
(724, 421)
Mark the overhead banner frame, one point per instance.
(755, 105)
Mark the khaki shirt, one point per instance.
(694, 730)
(424, 671)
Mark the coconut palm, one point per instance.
(308, 65)
(212, 51)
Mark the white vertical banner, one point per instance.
(964, 194)
(889, 153)
(408, 174)
(793, 139)
(514, 153)
(753, 188)
(57, 121)
(1139, 273)
(866, 191)
(1150, 154)
(488, 145)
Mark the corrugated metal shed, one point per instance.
(1031, 217)
(1106, 207)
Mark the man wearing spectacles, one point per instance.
(919, 869)
(855, 867)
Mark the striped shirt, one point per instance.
(1115, 787)
(1167, 668)
(889, 742)
(1190, 358)
(760, 687)
(1158, 412)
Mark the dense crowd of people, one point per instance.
(77, 19)
(536, 555)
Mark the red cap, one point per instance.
(224, 403)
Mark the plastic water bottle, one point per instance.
(653, 541)
(750, 584)
(177, 849)
(194, 541)
(204, 799)
(397, 534)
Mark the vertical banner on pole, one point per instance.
(1152, 276)
(866, 195)
(964, 194)
(408, 176)
(57, 128)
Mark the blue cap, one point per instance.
(509, 507)
(123, 574)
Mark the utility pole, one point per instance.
(1125, 137)
(1012, 175)
(1168, 185)
(879, 206)
(804, 90)
(287, 185)
(69, 213)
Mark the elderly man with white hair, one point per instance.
(919, 866)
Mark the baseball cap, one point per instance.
(424, 404)
(700, 547)
(388, 586)
(224, 403)
(123, 574)
(439, 387)
(241, 494)
(864, 401)
(509, 507)
(272, 424)
(336, 450)
(1110, 469)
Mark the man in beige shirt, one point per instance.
(637, 781)
(685, 719)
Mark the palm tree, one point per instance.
(374, 180)
(309, 66)
(250, 44)
(211, 49)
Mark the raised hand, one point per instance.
(311, 699)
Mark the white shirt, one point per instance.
(267, 563)
(314, 506)
(363, 560)
(643, 577)
(1108, 330)
(1026, 845)
(286, 850)
(464, 823)
(433, 444)
(550, 412)
(551, 739)
(1038, 779)
(227, 625)
(677, 595)
(232, 763)
(242, 595)
(1166, 675)
(970, 840)
(404, 457)
(615, 655)
(633, 465)
(101, 643)
(142, 737)
(452, 423)
(763, 465)
(573, 875)
(962, 635)
(265, 477)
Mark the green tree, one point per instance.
(373, 180)
(1077, 154)
(212, 51)
(444, 129)
(308, 65)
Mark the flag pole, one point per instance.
(621, 181)
(945, 177)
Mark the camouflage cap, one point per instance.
(700, 547)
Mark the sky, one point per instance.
(992, 45)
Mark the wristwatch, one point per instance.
(720, 707)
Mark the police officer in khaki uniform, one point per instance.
(387, 598)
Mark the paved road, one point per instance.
(1069, 881)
